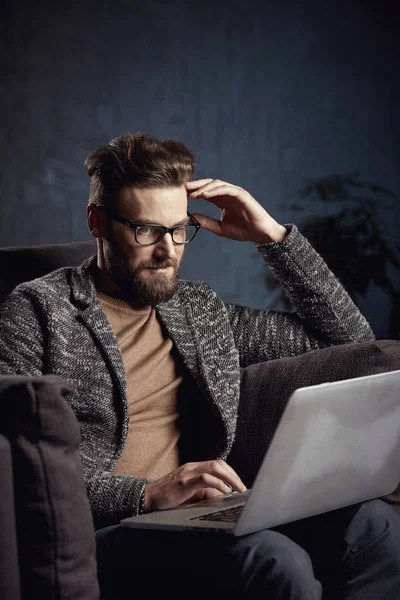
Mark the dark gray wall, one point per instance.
(265, 93)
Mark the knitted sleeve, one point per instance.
(113, 497)
(324, 313)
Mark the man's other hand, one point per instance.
(191, 482)
(242, 217)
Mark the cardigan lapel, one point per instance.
(215, 370)
(95, 320)
(93, 317)
(175, 319)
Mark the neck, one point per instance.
(102, 278)
(105, 283)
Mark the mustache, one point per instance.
(160, 265)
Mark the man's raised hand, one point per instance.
(242, 217)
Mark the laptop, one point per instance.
(336, 444)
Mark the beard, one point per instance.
(137, 289)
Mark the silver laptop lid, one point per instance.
(337, 444)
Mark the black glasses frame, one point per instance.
(135, 226)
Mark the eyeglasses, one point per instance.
(149, 234)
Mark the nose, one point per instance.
(165, 248)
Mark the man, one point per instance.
(156, 365)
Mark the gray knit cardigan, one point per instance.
(55, 324)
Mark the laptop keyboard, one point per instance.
(230, 515)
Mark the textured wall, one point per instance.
(265, 93)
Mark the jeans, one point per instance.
(351, 554)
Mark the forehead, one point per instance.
(166, 206)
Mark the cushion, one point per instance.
(25, 263)
(266, 388)
(55, 530)
(9, 571)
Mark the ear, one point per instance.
(95, 221)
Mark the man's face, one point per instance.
(146, 275)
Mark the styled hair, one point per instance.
(136, 160)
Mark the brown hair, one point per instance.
(137, 160)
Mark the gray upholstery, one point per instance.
(50, 516)
(24, 263)
(9, 565)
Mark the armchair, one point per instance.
(265, 389)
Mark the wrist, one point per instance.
(274, 235)
(148, 501)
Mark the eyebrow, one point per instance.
(147, 222)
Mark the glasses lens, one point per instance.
(149, 234)
(184, 234)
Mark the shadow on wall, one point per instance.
(350, 237)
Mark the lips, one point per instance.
(157, 266)
(157, 269)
